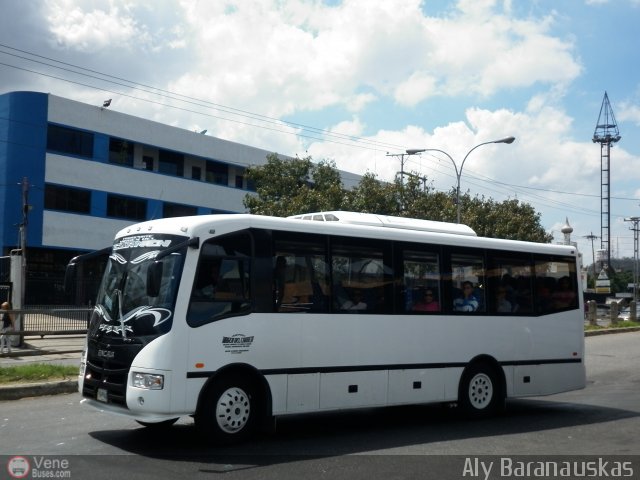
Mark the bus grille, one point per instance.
(113, 381)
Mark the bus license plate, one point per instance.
(102, 395)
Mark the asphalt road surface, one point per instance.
(408, 442)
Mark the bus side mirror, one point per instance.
(154, 279)
(70, 276)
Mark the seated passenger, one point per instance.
(564, 296)
(468, 302)
(355, 303)
(502, 304)
(427, 303)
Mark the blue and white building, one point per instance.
(78, 173)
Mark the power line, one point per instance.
(78, 70)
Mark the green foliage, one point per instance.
(292, 187)
(37, 372)
(289, 187)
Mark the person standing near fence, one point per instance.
(7, 326)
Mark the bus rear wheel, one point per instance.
(481, 392)
(228, 412)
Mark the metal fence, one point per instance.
(52, 320)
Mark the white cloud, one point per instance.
(629, 112)
(94, 29)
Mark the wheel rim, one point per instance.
(232, 410)
(480, 391)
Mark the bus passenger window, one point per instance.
(421, 281)
(509, 281)
(468, 280)
(300, 270)
(556, 285)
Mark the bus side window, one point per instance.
(556, 285)
(421, 281)
(300, 282)
(222, 284)
(468, 279)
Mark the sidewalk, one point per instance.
(54, 349)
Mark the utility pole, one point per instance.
(593, 237)
(635, 221)
(408, 152)
(23, 234)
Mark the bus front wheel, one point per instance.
(228, 412)
(480, 393)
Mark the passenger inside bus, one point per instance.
(427, 302)
(355, 303)
(468, 301)
(502, 304)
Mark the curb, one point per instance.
(32, 353)
(23, 390)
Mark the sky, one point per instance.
(359, 82)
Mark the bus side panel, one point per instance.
(353, 389)
(548, 379)
(303, 393)
(417, 386)
(278, 385)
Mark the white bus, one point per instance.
(238, 319)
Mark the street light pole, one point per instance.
(507, 140)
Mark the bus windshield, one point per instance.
(123, 307)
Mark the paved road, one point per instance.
(603, 419)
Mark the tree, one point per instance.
(509, 219)
(289, 187)
(292, 187)
(373, 196)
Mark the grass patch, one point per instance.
(37, 372)
(620, 324)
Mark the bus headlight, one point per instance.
(147, 380)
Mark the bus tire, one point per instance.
(229, 411)
(481, 392)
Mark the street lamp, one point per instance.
(507, 140)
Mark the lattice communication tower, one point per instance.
(606, 134)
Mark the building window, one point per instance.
(171, 163)
(126, 207)
(177, 210)
(121, 152)
(196, 173)
(217, 173)
(239, 181)
(148, 162)
(69, 140)
(67, 199)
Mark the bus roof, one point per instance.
(374, 220)
(347, 224)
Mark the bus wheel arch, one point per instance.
(482, 388)
(233, 403)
